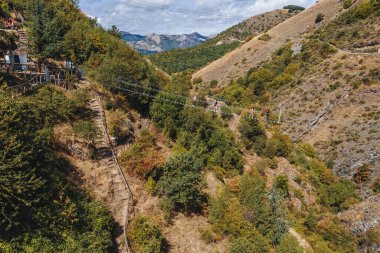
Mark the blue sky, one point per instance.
(204, 16)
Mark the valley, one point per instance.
(264, 138)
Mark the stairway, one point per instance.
(118, 197)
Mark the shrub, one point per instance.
(339, 239)
(144, 236)
(226, 112)
(265, 37)
(289, 244)
(213, 83)
(281, 184)
(376, 186)
(180, 182)
(311, 220)
(227, 215)
(142, 157)
(86, 130)
(255, 243)
(335, 194)
(362, 174)
(279, 145)
(319, 18)
(347, 4)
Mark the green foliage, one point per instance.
(48, 23)
(335, 194)
(320, 17)
(252, 133)
(289, 244)
(86, 130)
(281, 184)
(347, 4)
(178, 60)
(279, 145)
(294, 8)
(197, 132)
(254, 198)
(340, 239)
(180, 182)
(227, 215)
(114, 31)
(40, 209)
(144, 236)
(255, 243)
(265, 37)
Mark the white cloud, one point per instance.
(132, 17)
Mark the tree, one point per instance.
(252, 133)
(281, 183)
(114, 31)
(180, 182)
(21, 148)
(77, 43)
(289, 244)
(254, 197)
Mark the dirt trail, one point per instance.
(302, 242)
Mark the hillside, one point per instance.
(45, 204)
(157, 43)
(323, 90)
(249, 55)
(199, 56)
(281, 159)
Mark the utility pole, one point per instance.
(279, 117)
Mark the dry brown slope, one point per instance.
(238, 62)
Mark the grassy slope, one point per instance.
(199, 56)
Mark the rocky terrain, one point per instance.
(156, 43)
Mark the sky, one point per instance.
(206, 17)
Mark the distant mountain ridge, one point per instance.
(156, 43)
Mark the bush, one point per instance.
(279, 145)
(265, 37)
(281, 184)
(255, 243)
(227, 215)
(86, 130)
(142, 157)
(335, 194)
(289, 244)
(339, 239)
(347, 4)
(320, 17)
(362, 174)
(180, 182)
(144, 236)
